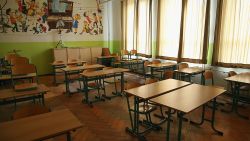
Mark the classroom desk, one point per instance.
(105, 60)
(161, 66)
(187, 99)
(8, 77)
(57, 65)
(147, 92)
(11, 94)
(133, 64)
(40, 127)
(192, 71)
(236, 82)
(76, 70)
(98, 75)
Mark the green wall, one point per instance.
(40, 53)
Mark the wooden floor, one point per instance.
(107, 121)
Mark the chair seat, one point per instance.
(146, 108)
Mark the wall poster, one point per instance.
(42, 19)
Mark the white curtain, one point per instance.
(144, 27)
(169, 27)
(193, 29)
(234, 36)
(129, 24)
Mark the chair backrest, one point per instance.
(131, 85)
(133, 52)
(124, 52)
(183, 65)
(168, 74)
(150, 80)
(105, 52)
(72, 62)
(19, 60)
(146, 63)
(156, 62)
(208, 75)
(231, 73)
(30, 110)
(23, 69)
(9, 56)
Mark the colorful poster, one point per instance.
(46, 17)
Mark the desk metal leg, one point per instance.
(168, 125)
(69, 136)
(85, 89)
(237, 93)
(212, 120)
(235, 89)
(67, 84)
(180, 125)
(43, 98)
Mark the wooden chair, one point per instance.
(9, 56)
(29, 110)
(19, 60)
(231, 73)
(133, 52)
(156, 62)
(146, 73)
(73, 62)
(182, 66)
(168, 74)
(96, 84)
(158, 70)
(108, 79)
(106, 52)
(208, 76)
(23, 71)
(144, 108)
(124, 53)
(117, 59)
(150, 80)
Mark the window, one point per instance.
(232, 43)
(169, 27)
(144, 27)
(193, 29)
(129, 24)
(137, 26)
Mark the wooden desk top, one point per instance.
(158, 88)
(11, 93)
(240, 78)
(191, 70)
(188, 98)
(39, 127)
(78, 68)
(8, 77)
(60, 63)
(105, 57)
(104, 72)
(131, 60)
(160, 65)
